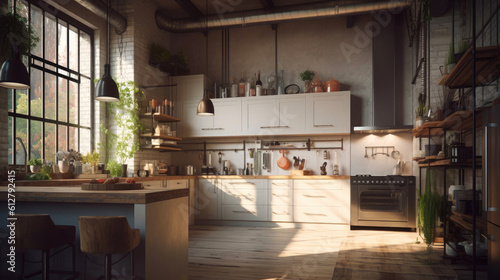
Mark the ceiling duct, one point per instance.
(288, 13)
(116, 20)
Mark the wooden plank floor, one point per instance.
(312, 252)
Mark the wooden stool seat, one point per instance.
(107, 235)
(38, 232)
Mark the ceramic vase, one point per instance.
(63, 166)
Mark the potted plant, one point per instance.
(462, 48)
(35, 165)
(307, 77)
(128, 125)
(430, 204)
(92, 159)
(450, 61)
(421, 109)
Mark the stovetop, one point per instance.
(382, 180)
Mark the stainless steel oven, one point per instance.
(383, 201)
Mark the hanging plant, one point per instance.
(16, 34)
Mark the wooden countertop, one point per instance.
(78, 182)
(77, 195)
(295, 177)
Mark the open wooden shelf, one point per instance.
(447, 162)
(465, 221)
(162, 117)
(166, 148)
(487, 68)
(173, 66)
(164, 137)
(460, 120)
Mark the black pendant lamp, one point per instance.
(14, 74)
(205, 106)
(106, 89)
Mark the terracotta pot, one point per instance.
(307, 86)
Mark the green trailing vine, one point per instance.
(126, 116)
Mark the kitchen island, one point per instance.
(160, 215)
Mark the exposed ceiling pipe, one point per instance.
(116, 20)
(256, 17)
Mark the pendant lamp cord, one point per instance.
(206, 40)
(107, 35)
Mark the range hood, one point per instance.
(384, 105)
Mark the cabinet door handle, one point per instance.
(212, 128)
(280, 213)
(243, 183)
(280, 195)
(314, 196)
(323, 125)
(314, 214)
(276, 126)
(244, 212)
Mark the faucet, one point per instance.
(25, 154)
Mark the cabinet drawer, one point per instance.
(281, 184)
(280, 196)
(244, 213)
(244, 196)
(323, 198)
(153, 184)
(318, 184)
(243, 184)
(177, 184)
(312, 214)
(280, 213)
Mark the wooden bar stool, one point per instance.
(38, 232)
(107, 235)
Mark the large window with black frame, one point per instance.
(55, 114)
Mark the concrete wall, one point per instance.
(325, 46)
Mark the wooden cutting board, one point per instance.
(111, 187)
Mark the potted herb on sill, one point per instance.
(307, 77)
(35, 165)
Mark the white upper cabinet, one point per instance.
(297, 114)
(225, 122)
(274, 115)
(329, 112)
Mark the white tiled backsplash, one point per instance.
(313, 158)
(380, 164)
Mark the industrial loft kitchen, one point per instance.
(240, 139)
